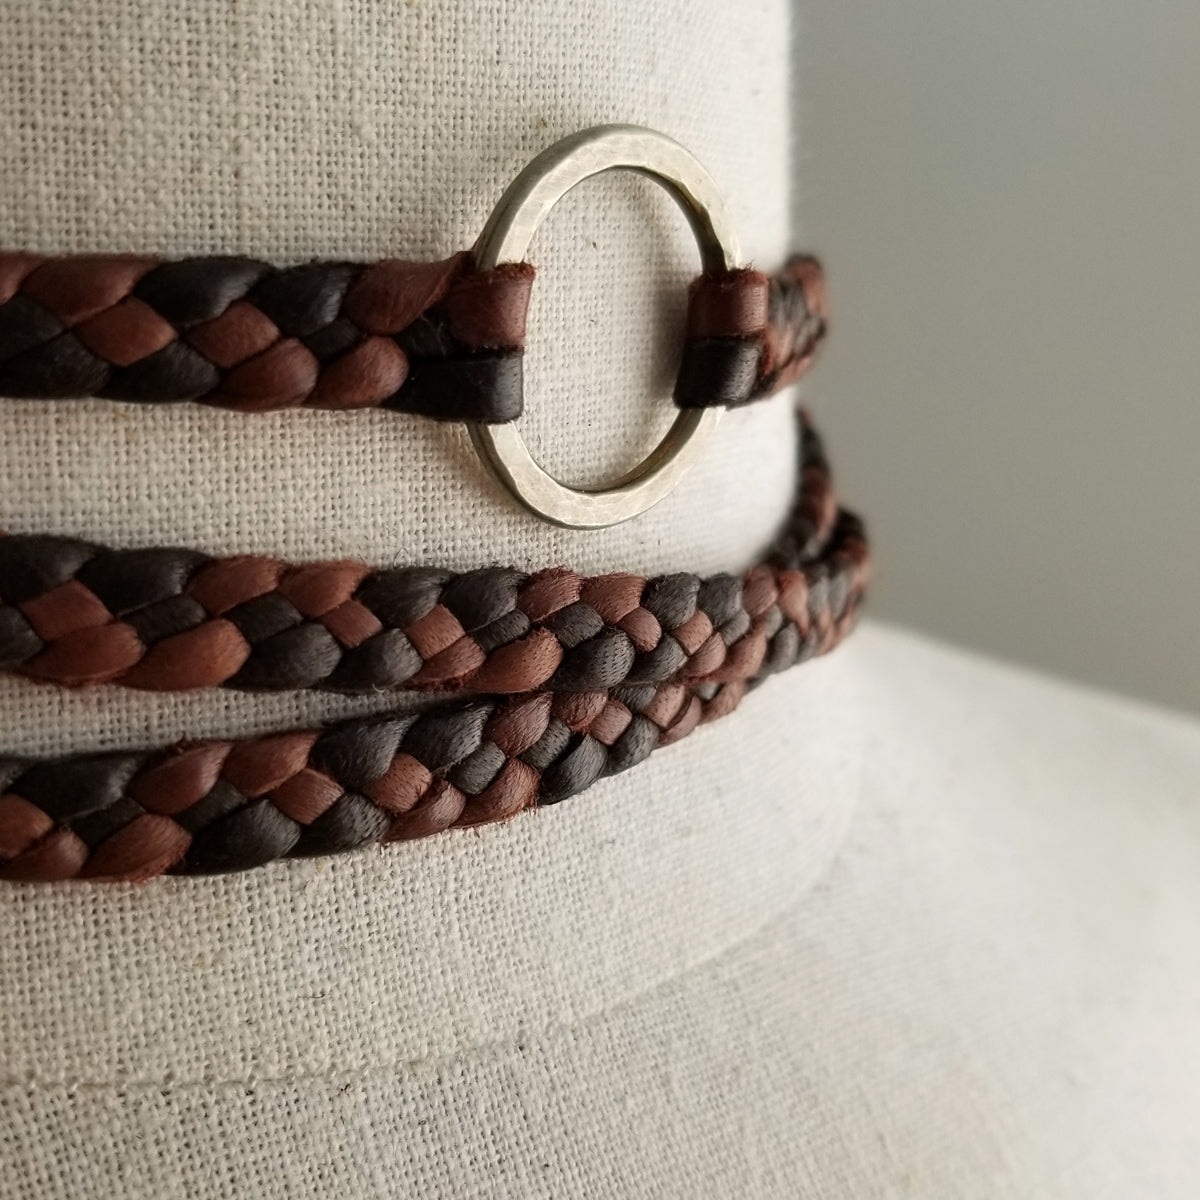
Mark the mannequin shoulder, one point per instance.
(1016, 904)
(941, 717)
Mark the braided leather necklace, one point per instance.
(600, 673)
(442, 339)
(169, 619)
(566, 678)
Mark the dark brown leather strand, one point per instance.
(224, 806)
(438, 339)
(75, 614)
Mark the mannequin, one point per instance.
(667, 986)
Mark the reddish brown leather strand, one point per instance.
(222, 805)
(439, 339)
(166, 619)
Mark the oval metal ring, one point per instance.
(506, 238)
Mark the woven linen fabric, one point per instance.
(991, 995)
(289, 130)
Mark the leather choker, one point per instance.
(442, 340)
(565, 679)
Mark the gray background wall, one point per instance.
(1007, 197)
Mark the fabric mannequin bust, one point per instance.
(665, 987)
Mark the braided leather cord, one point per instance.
(75, 614)
(438, 339)
(232, 805)
(750, 334)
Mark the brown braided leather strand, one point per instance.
(750, 334)
(227, 806)
(165, 619)
(439, 339)
(233, 805)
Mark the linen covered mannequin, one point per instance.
(639, 992)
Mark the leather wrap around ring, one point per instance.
(442, 339)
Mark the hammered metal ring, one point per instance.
(506, 237)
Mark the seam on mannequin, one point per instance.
(517, 1040)
(809, 877)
